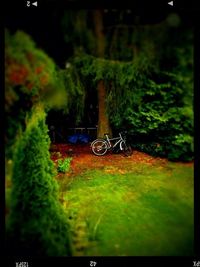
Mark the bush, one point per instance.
(31, 77)
(64, 165)
(157, 118)
(37, 224)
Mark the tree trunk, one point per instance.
(103, 120)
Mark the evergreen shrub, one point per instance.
(37, 223)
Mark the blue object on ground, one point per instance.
(79, 138)
(73, 138)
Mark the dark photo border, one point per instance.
(156, 8)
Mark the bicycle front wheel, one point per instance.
(127, 150)
(99, 147)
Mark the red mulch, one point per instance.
(84, 159)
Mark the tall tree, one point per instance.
(88, 36)
(103, 121)
(137, 81)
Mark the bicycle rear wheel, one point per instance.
(99, 147)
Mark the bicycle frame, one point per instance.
(118, 140)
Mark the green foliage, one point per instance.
(154, 106)
(157, 117)
(76, 92)
(37, 223)
(30, 74)
(31, 77)
(64, 165)
(96, 69)
(149, 89)
(26, 66)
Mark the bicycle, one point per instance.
(100, 146)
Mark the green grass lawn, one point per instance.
(143, 210)
(134, 209)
